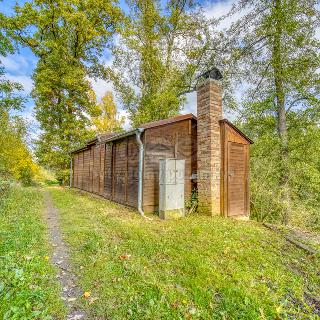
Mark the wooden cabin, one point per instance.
(216, 156)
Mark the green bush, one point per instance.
(192, 202)
(4, 188)
(45, 178)
(63, 177)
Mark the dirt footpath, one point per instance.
(71, 294)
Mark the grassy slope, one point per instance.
(194, 268)
(28, 288)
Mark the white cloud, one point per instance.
(317, 34)
(14, 63)
(19, 63)
(125, 114)
(25, 81)
(211, 10)
(100, 87)
(19, 67)
(191, 103)
(10, 64)
(191, 106)
(217, 9)
(33, 125)
(318, 29)
(221, 8)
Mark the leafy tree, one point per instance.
(67, 37)
(159, 50)
(15, 158)
(107, 119)
(62, 109)
(9, 100)
(276, 57)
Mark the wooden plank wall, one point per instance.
(86, 169)
(110, 170)
(96, 169)
(120, 171)
(230, 138)
(237, 181)
(175, 140)
(101, 169)
(91, 171)
(132, 175)
(80, 168)
(75, 171)
(194, 163)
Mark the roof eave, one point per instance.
(115, 137)
(163, 122)
(236, 129)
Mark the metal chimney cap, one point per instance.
(213, 73)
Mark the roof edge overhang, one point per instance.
(236, 129)
(163, 122)
(101, 140)
(120, 136)
(143, 127)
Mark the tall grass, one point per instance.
(28, 285)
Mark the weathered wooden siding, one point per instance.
(101, 169)
(109, 169)
(132, 176)
(75, 170)
(193, 126)
(234, 172)
(108, 165)
(80, 168)
(175, 140)
(86, 169)
(237, 179)
(91, 170)
(120, 171)
(96, 168)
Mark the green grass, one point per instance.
(193, 268)
(28, 287)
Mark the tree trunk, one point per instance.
(281, 110)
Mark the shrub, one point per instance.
(191, 204)
(4, 187)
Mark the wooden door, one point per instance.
(237, 179)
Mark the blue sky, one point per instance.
(20, 66)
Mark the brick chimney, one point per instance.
(209, 112)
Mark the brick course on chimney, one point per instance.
(209, 112)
